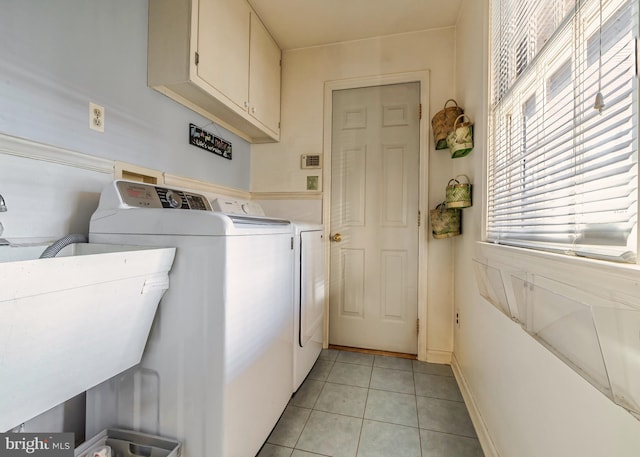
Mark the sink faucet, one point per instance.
(3, 208)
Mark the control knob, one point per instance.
(174, 199)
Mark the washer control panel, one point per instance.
(141, 195)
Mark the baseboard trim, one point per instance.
(488, 447)
(442, 357)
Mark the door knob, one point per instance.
(337, 237)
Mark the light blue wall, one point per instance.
(57, 56)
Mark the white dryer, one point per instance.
(308, 299)
(216, 372)
(308, 285)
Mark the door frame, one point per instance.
(421, 77)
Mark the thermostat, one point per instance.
(310, 161)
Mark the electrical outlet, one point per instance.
(458, 319)
(96, 117)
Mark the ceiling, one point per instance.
(303, 23)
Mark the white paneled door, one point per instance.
(374, 217)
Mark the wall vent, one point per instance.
(310, 161)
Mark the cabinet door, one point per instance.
(223, 47)
(264, 79)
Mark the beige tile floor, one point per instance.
(363, 405)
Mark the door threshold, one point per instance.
(400, 355)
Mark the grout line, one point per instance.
(315, 403)
(435, 374)
(360, 435)
(415, 398)
(304, 426)
(355, 363)
(364, 412)
(457, 435)
(400, 355)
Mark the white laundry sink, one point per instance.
(72, 321)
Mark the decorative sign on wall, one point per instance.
(209, 142)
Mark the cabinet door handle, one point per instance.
(253, 110)
(246, 104)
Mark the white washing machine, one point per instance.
(308, 286)
(216, 372)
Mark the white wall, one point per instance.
(532, 404)
(276, 167)
(303, 210)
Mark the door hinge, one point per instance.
(197, 58)
(419, 217)
(292, 243)
(418, 325)
(420, 111)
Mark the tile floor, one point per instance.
(361, 405)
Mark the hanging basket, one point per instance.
(442, 123)
(458, 194)
(460, 139)
(445, 222)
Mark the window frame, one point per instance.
(495, 93)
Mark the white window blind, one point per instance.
(563, 176)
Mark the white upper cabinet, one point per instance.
(217, 58)
(264, 80)
(223, 47)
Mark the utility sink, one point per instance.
(73, 321)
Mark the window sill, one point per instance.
(599, 276)
(586, 312)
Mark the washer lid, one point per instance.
(251, 220)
